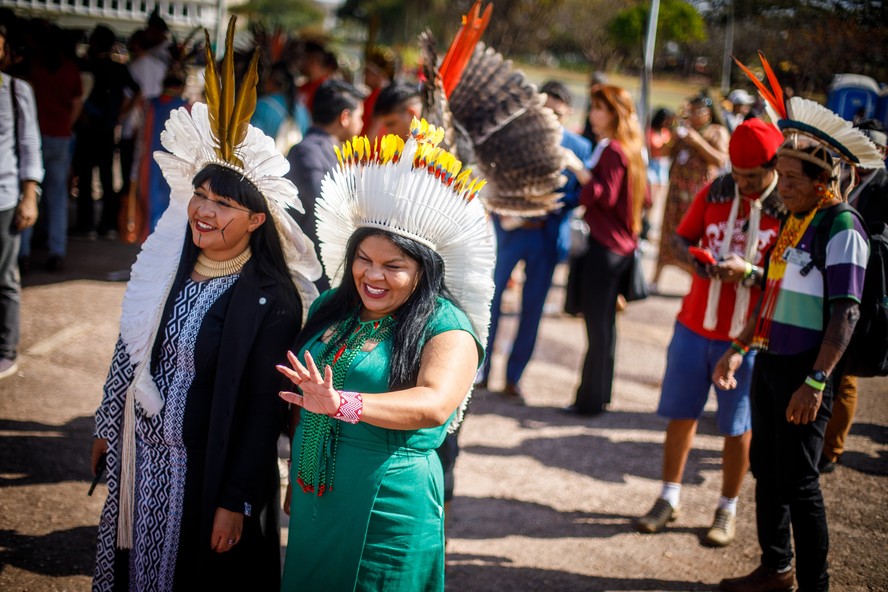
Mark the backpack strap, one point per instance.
(818, 248)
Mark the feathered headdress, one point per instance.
(515, 138)
(803, 121)
(215, 133)
(420, 191)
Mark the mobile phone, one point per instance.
(704, 256)
(100, 470)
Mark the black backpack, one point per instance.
(867, 353)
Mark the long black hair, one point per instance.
(268, 254)
(409, 332)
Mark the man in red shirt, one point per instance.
(735, 219)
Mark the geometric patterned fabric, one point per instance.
(161, 456)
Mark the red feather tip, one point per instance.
(778, 104)
(463, 45)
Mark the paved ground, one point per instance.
(544, 501)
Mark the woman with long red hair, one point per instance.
(614, 194)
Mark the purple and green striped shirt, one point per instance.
(798, 317)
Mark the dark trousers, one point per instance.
(601, 274)
(10, 285)
(127, 148)
(95, 148)
(784, 462)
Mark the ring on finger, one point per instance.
(230, 541)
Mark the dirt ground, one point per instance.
(543, 501)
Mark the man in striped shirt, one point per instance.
(793, 378)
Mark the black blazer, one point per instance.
(241, 472)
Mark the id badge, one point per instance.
(796, 257)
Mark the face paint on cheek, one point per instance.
(223, 229)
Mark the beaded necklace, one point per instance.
(320, 433)
(215, 269)
(790, 235)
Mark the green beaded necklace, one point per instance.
(320, 433)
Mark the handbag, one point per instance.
(636, 286)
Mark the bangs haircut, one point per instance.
(231, 184)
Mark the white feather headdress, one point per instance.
(215, 133)
(804, 122)
(419, 191)
(194, 140)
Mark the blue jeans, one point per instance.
(10, 285)
(530, 246)
(54, 203)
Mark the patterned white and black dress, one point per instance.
(170, 447)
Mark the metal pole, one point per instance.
(644, 114)
(221, 25)
(729, 49)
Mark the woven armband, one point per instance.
(815, 384)
(351, 407)
(739, 347)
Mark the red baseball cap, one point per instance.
(754, 143)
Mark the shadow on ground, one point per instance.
(495, 518)
(464, 569)
(102, 260)
(42, 554)
(34, 453)
(594, 455)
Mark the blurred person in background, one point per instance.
(699, 153)
(55, 78)
(614, 194)
(21, 171)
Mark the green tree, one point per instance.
(679, 22)
(808, 41)
(289, 14)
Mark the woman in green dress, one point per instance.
(384, 366)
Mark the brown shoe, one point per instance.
(763, 579)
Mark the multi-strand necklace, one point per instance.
(216, 269)
(320, 433)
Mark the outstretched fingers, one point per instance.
(313, 374)
(293, 398)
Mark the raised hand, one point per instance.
(318, 394)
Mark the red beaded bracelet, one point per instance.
(351, 407)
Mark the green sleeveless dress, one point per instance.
(381, 524)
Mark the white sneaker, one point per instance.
(723, 529)
(7, 367)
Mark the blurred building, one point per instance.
(123, 16)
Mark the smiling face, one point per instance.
(385, 276)
(220, 226)
(796, 188)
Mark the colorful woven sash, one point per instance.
(320, 433)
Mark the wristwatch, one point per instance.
(817, 380)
